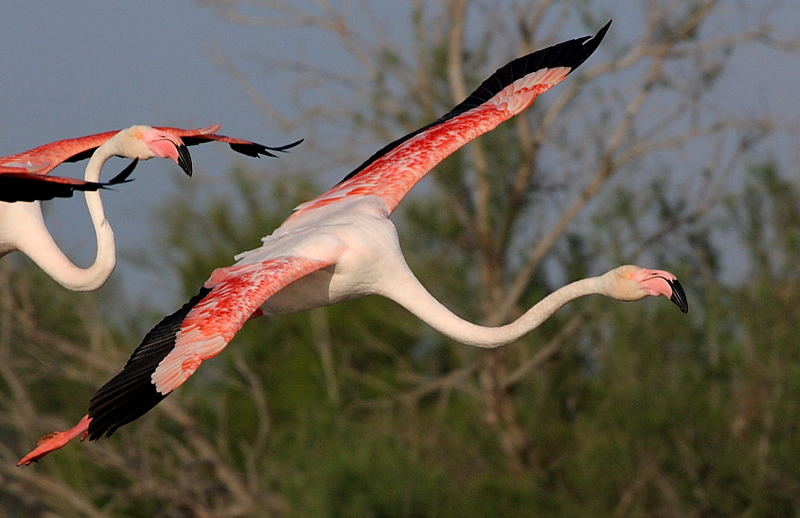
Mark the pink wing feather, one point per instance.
(394, 170)
(45, 158)
(236, 292)
(173, 350)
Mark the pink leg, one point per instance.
(56, 440)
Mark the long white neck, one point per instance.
(37, 243)
(407, 291)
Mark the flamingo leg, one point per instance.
(56, 440)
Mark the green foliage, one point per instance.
(638, 414)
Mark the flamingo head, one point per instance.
(631, 282)
(147, 142)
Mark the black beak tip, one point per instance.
(185, 159)
(679, 296)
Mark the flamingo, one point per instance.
(24, 181)
(342, 245)
(24, 177)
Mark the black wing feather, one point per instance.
(130, 394)
(30, 187)
(252, 149)
(83, 155)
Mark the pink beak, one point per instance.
(660, 282)
(178, 152)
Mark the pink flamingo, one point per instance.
(23, 177)
(342, 245)
(24, 181)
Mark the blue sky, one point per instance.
(83, 67)
(75, 68)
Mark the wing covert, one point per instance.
(173, 350)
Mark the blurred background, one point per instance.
(674, 146)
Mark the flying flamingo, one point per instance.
(24, 177)
(24, 181)
(342, 245)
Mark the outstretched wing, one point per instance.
(45, 158)
(245, 147)
(397, 167)
(173, 350)
(30, 186)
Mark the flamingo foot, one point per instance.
(56, 440)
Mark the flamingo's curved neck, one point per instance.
(36, 242)
(407, 291)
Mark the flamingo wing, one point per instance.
(394, 170)
(245, 147)
(45, 158)
(173, 350)
(31, 186)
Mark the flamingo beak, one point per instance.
(678, 295)
(185, 159)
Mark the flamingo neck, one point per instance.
(37, 243)
(410, 294)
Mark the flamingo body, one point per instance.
(342, 245)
